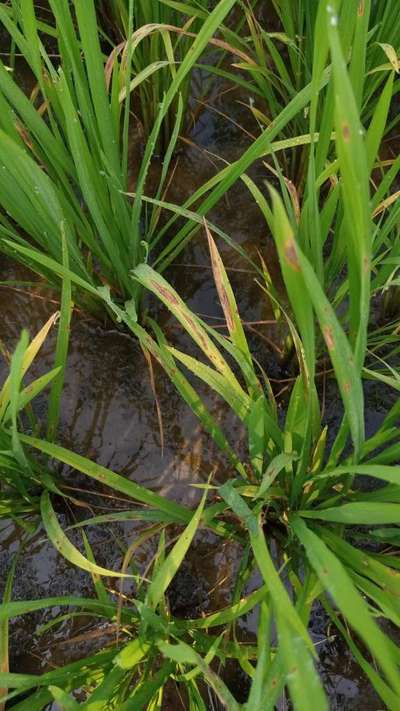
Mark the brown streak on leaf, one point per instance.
(168, 296)
(198, 334)
(225, 307)
(329, 339)
(346, 132)
(217, 268)
(294, 198)
(291, 254)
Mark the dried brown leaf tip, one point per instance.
(329, 340)
(291, 254)
(165, 293)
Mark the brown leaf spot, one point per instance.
(361, 8)
(346, 132)
(329, 340)
(347, 386)
(367, 265)
(291, 254)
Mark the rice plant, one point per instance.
(21, 477)
(26, 480)
(296, 494)
(283, 57)
(167, 30)
(294, 502)
(65, 152)
(150, 651)
(300, 109)
(315, 200)
(150, 648)
(310, 527)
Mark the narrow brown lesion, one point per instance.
(346, 133)
(196, 331)
(329, 339)
(226, 307)
(291, 254)
(166, 293)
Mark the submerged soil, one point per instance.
(109, 414)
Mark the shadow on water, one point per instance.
(109, 414)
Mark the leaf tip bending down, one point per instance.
(64, 545)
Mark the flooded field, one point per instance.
(127, 416)
(109, 414)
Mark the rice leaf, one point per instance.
(357, 513)
(302, 278)
(301, 676)
(279, 595)
(109, 478)
(29, 356)
(338, 584)
(227, 298)
(183, 654)
(355, 191)
(65, 701)
(64, 546)
(160, 287)
(4, 631)
(168, 569)
(62, 344)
